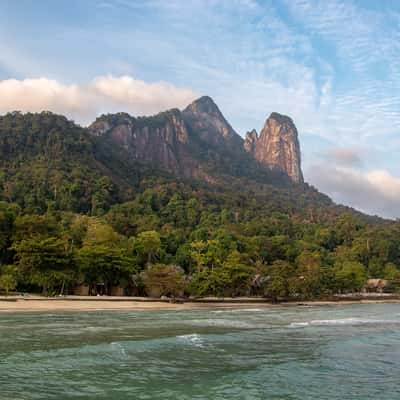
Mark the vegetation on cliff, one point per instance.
(75, 211)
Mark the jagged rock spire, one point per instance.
(277, 146)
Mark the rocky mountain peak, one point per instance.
(280, 118)
(277, 146)
(205, 118)
(250, 141)
(186, 143)
(204, 104)
(107, 122)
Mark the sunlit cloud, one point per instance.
(84, 102)
(374, 192)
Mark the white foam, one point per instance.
(223, 323)
(119, 349)
(299, 324)
(343, 322)
(99, 328)
(192, 339)
(238, 310)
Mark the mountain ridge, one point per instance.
(59, 165)
(186, 143)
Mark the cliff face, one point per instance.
(187, 143)
(277, 146)
(250, 141)
(161, 141)
(205, 119)
(198, 142)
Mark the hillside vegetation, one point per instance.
(76, 209)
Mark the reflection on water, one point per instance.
(321, 352)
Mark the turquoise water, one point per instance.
(329, 352)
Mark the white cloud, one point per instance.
(374, 192)
(362, 37)
(344, 156)
(84, 102)
(385, 184)
(137, 94)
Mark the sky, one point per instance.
(333, 66)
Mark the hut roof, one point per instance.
(376, 283)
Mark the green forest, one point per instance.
(69, 217)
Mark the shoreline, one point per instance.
(82, 304)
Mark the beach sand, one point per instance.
(76, 304)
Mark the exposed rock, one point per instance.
(206, 120)
(250, 141)
(106, 122)
(277, 146)
(199, 143)
(160, 141)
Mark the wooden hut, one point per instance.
(376, 286)
(117, 291)
(81, 289)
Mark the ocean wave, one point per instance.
(193, 339)
(221, 323)
(83, 330)
(118, 349)
(343, 321)
(238, 310)
(99, 328)
(299, 324)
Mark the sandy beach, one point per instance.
(76, 304)
(83, 305)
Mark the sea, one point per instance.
(280, 352)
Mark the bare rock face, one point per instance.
(198, 142)
(250, 141)
(159, 144)
(277, 146)
(204, 117)
(159, 141)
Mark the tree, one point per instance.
(346, 228)
(192, 212)
(350, 276)
(7, 217)
(147, 244)
(103, 195)
(163, 280)
(46, 262)
(8, 278)
(210, 253)
(236, 275)
(391, 272)
(197, 253)
(105, 263)
(101, 233)
(230, 278)
(27, 226)
(307, 283)
(277, 286)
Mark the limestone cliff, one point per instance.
(198, 142)
(205, 119)
(160, 141)
(277, 146)
(250, 141)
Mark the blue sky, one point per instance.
(333, 66)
